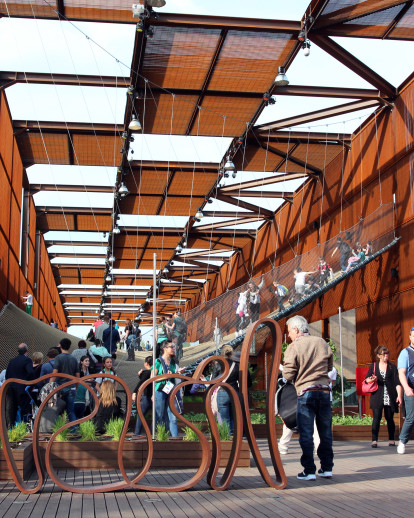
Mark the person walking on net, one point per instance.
(307, 363)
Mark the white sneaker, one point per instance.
(283, 451)
(401, 448)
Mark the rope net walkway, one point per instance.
(234, 310)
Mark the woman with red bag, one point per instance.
(387, 396)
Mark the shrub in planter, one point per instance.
(87, 431)
(114, 428)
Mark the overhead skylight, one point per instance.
(78, 260)
(132, 272)
(71, 175)
(79, 286)
(179, 148)
(58, 47)
(141, 220)
(60, 235)
(90, 104)
(74, 199)
(75, 250)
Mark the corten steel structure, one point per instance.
(212, 76)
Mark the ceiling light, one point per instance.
(306, 48)
(102, 312)
(135, 125)
(229, 166)
(123, 190)
(166, 270)
(116, 230)
(199, 214)
(156, 3)
(112, 259)
(108, 278)
(179, 249)
(105, 293)
(148, 300)
(281, 79)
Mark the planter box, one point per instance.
(103, 454)
(23, 456)
(360, 433)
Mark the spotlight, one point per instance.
(166, 270)
(199, 214)
(108, 278)
(306, 48)
(234, 174)
(281, 79)
(302, 35)
(116, 230)
(131, 139)
(105, 294)
(123, 190)
(179, 248)
(229, 166)
(135, 125)
(112, 259)
(184, 242)
(102, 312)
(197, 220)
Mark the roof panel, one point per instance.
(98, 150)
(405, 27)
(248, 61)
(166, 114)
(135, 204)
(200, 183)
(223, 116)
(94, 223)
(179, 57)
(151, 182)
(56, 222)
(256, 158)
(43, 149)
(181, 206)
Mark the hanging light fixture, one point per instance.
(105, 294)
(179, 248)
(123, 190)
(199, 214)
(302, 35)
(135, 125)
(112, 259)
(165, 270)
(116, 230)
(306, 48)
(108, 278)
(281, 79)
(229, 166)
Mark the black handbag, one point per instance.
(286, 403)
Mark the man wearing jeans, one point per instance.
(406, 375)
(65, 363)
(307, 362)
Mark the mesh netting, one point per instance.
(236, 309)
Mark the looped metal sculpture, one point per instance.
(210, 461)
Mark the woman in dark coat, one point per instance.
(387, 397)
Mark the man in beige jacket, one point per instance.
(307, 362)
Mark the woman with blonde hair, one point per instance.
(109, 406)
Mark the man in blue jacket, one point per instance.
(21, 368)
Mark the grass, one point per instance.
(87, 431)
(114, 427)
(224, 431)
(195, 418)
(17, 433)
(61, 421)
(190, 434)
(161, 434)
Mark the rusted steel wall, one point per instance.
(15, 278)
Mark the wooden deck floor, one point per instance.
(366, 483)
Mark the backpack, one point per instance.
(46, 390)
(180, 326)
(92, 363)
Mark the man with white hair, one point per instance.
(307, 362)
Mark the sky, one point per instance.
(106, 50)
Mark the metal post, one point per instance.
(154, 339)
(341, 356)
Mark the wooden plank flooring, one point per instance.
(366, 483)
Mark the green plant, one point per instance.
(161, 434)
(114, 427)
(87, 431)
(258, 418)
(195, 418)
(353, 420)
(61, 421)
(224, 431)
(18, 432)
(258, 395)
(190, 434)
(193, 399)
